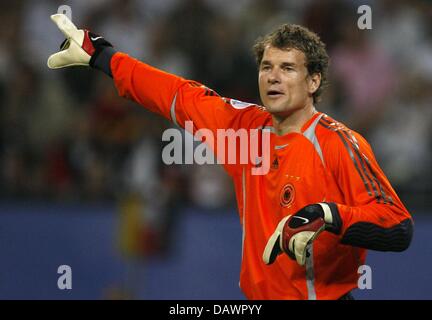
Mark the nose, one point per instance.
(273, 77)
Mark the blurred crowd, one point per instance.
(65, 135)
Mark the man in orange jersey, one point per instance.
(306, 223)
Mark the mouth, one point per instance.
(274, 94)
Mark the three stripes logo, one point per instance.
(360, 160)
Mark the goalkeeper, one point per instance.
(309, 221)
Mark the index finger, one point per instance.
(64, 24)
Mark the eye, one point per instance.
(265, 67)
(288, 68)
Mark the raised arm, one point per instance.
(177, 99)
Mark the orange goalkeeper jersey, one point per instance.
(325, 162)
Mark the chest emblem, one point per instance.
(287, 195)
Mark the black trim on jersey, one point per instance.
(361, 159)
(211, 93)
(364, 159)
(351, 155)
(388, 198)
(195, 84)
(336, 225)
(364, 173)
(365, 164)
(371, 236)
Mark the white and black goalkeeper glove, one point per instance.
(80, 48)
(295, 233)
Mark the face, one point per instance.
(284, 83)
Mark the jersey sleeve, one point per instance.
(177, 99)
(372, 215)
(188, 104)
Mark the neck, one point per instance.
(294, 121)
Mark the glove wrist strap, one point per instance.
(101, 59)
(332, 218)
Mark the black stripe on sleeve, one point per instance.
(379, 194)
(365, 164)
(353, 158)
(371, 236)
(386, 198)
(364, 159)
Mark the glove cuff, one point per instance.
(332, 217)
(101, 59)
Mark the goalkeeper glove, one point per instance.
(81, 47)
(295, 233)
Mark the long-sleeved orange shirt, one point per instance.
(326, 162)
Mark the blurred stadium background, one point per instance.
(82, 182)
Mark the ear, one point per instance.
(314, 82)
